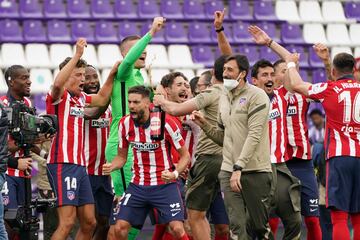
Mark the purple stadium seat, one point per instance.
(30, 9)
(199, 32)
(175, 33)
(158, 38)
(125, 9)
(39, 102)
(148, 9)
(228, 33)
(54, 9)
(193, 9)
(78, 9)
(264, 10)
(305, 75)
(34, 31)
(58, 31)
(291, 33)
(270, 29)
(304, 60)
(268, 54)
(101, 9)
(127, 29)
(352, 10)
(240, 10)
(211, 6)
(251, 53)
(9, 9)
(10, 31)
(171, 9)
(314, 60)
(82, 29)
(319, 75)
(204, 55)
(241, 34)
(105, 32)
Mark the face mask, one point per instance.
(230, 84)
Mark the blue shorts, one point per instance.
(103, 194)
(304, 171)
(342, 184)
(139, 200)
(217, 212)
(71, 184)
(13, 192)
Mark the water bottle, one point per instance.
(157, 124)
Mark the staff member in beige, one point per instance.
(242, 130)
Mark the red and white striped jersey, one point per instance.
(341, 102)
(7, 99)
(297, 129)
(68, 143)
(96, 135)
(150, 157)
(277, 126)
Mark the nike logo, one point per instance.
(174, 214)
(313, 209)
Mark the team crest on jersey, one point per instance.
(145, 146)
(77, 112)
(274, 113)
(70, 195)
(186, 127)
(177, 135)
(242, 101)
(100, 123)
(292, 111)
(6, 200)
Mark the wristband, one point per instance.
(290, 65)
(176, 173)
(43, 153)
(220, 29)
(269, 44)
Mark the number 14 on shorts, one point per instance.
(71, 185)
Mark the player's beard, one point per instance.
(139, 117)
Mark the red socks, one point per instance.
(355, 220)
(313, 228)
(159, 231)
(339, 220)
(274, 223)
(169, 236)
(223, 237)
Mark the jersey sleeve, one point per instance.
(318, 91)
(205, 98)
(174, 134)
(123, 142)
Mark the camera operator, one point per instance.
(3, 162)
(18, 81)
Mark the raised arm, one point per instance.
(262, 38)
(102, 98)
(136, 51)
(223, 43)
(57, 89)
(174, 108)
(296, 83)
(322, 51)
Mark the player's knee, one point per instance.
(89, 224)
(177, 229)
(111, 233)
(121, 230)
(67, 225)
(221, 229)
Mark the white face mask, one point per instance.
(230, 84)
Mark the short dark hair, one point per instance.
(10, 72)
(278, 62)
(344, 63)
(140, 89)
(168, 79)
(127, 39)
(316, 111)
(262, 63)
(80, 64)
(208, 76)
(242, 63)
(193, 84)
(91, 66)
(219, 67)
